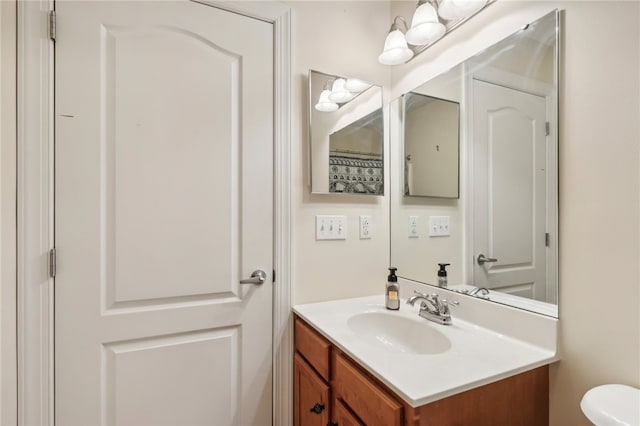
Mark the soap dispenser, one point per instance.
(442, 274)
(392, 293)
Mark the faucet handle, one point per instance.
(416, 292)
(450, 302)
(445, 306)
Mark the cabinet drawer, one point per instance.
(368, 401)
(313, 347)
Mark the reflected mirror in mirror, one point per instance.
(501, 236)
(346, 135)
(431, 139)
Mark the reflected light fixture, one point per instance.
(425, 25)
(431, 20)
(324, 103)
(338, 92)
(355, 85)
(395, 50)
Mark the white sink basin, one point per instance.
(399, 334)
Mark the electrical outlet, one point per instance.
(413, 227)
(366, 227)
(331, 227)
(438, 226)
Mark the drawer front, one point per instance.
(313, 347)
(311, 396)
(373, 405)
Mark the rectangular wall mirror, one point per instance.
(502, 233)
(346, 135)
(431, 141)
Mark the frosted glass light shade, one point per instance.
(324, 104)
(338, 93)
(425, 27)
(458, 9)
(355, 85)
(395, 51)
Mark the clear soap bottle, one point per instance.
(392, 298)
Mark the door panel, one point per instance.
(509, 163)
(164, 152)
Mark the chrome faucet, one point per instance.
(432, 308)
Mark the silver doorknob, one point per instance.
(482, 259)
(257, 277)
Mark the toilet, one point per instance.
(612, 405)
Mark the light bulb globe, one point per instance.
(395, 51)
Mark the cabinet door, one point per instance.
(366, 399)
(342, 416)
(311, 396)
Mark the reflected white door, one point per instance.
(509, 178)
(164, 125)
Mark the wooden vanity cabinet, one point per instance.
(351, 396)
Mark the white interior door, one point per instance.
(164, 158)
(509, 177)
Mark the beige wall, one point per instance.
(8, 367)
(599, 162)
(341, 38)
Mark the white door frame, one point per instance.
(35, 292)
(8, 337)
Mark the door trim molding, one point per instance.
(34, 214)
(8, 349)
(35, 209)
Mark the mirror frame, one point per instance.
(310, 136)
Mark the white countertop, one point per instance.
(477, 355)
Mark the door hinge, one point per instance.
(547, 128)
(273, 279)
(547, 239)
(52, 263)
(52, 25)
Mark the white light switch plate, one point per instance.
(438, 226)
(331, 227)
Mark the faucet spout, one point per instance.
(432, 308)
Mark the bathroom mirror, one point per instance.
(346, 135)
(502, 233)
(431, 139)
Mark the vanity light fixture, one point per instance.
(324, 103)
(425, 25)
(452, 10)
(431, 20)
(395, 51)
